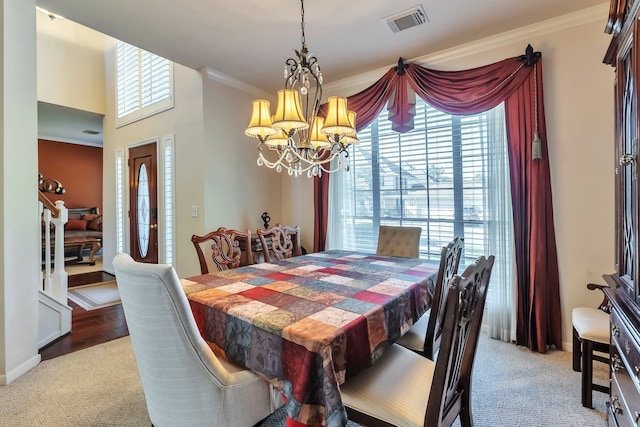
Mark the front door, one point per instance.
(143, 203)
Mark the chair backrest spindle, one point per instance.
(223, 248)
(280, 242)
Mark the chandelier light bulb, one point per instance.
(279, 168)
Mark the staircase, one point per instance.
(54, 315)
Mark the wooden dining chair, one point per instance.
(405, 389)
(591, 341)
(280, 242)
(223, 248)
(399, 241)
(425, 335)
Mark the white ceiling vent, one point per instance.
(407, 19)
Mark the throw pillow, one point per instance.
(95, 224)
(76, 224)
(90, 217)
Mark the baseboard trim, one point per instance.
(20, 370)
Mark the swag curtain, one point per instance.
(518, 83)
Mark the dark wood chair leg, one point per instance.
(466, 416)
(576, 351)
(587, 373)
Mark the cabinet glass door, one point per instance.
(626, 172)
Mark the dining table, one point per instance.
(309, 323)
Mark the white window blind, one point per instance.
(434, 177)
(144, 83)
(119, 186)
(168, 195)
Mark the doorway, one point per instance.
(143, 203)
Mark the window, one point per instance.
(120, 212)
(144, 84)
(436, 177)
(167, 171)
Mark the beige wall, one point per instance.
(70, 64)
(19, 233)
(578, 91)
(185, 122)
(238, 191)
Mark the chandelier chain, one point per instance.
(302, 22)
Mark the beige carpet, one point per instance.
(73, 269)
(95, 295)
(100, 386)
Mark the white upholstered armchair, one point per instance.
(184, 383)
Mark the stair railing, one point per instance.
(55, 282)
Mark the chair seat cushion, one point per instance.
(414, 338)
(591, 324)
(396, 389)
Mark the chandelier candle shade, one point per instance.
(295, 137)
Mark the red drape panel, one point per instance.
(321, 204)
(471, 92)
(538, 308)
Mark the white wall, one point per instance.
(578, 91)
(70, 64)
(20, 247)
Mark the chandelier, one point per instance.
(296, 138)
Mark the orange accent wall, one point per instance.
(77, 167)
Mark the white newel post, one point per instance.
(59, 278)
(46, 235)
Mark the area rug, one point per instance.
(95, 295)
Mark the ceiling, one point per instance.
(64, 124)
(249, 40)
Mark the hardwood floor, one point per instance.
(88, 328)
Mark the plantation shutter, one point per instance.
(144, 83)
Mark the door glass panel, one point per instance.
(143, 211)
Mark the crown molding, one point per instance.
(591, 14)
(236, 83)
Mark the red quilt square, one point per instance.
(199, 315)
(358, 354)
(372, 297)
(300, 366)
(279, 276)
(257, 293)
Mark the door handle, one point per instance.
(154, 226)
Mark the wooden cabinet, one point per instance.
(624, 283)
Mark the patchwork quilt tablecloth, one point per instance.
(310, 322)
